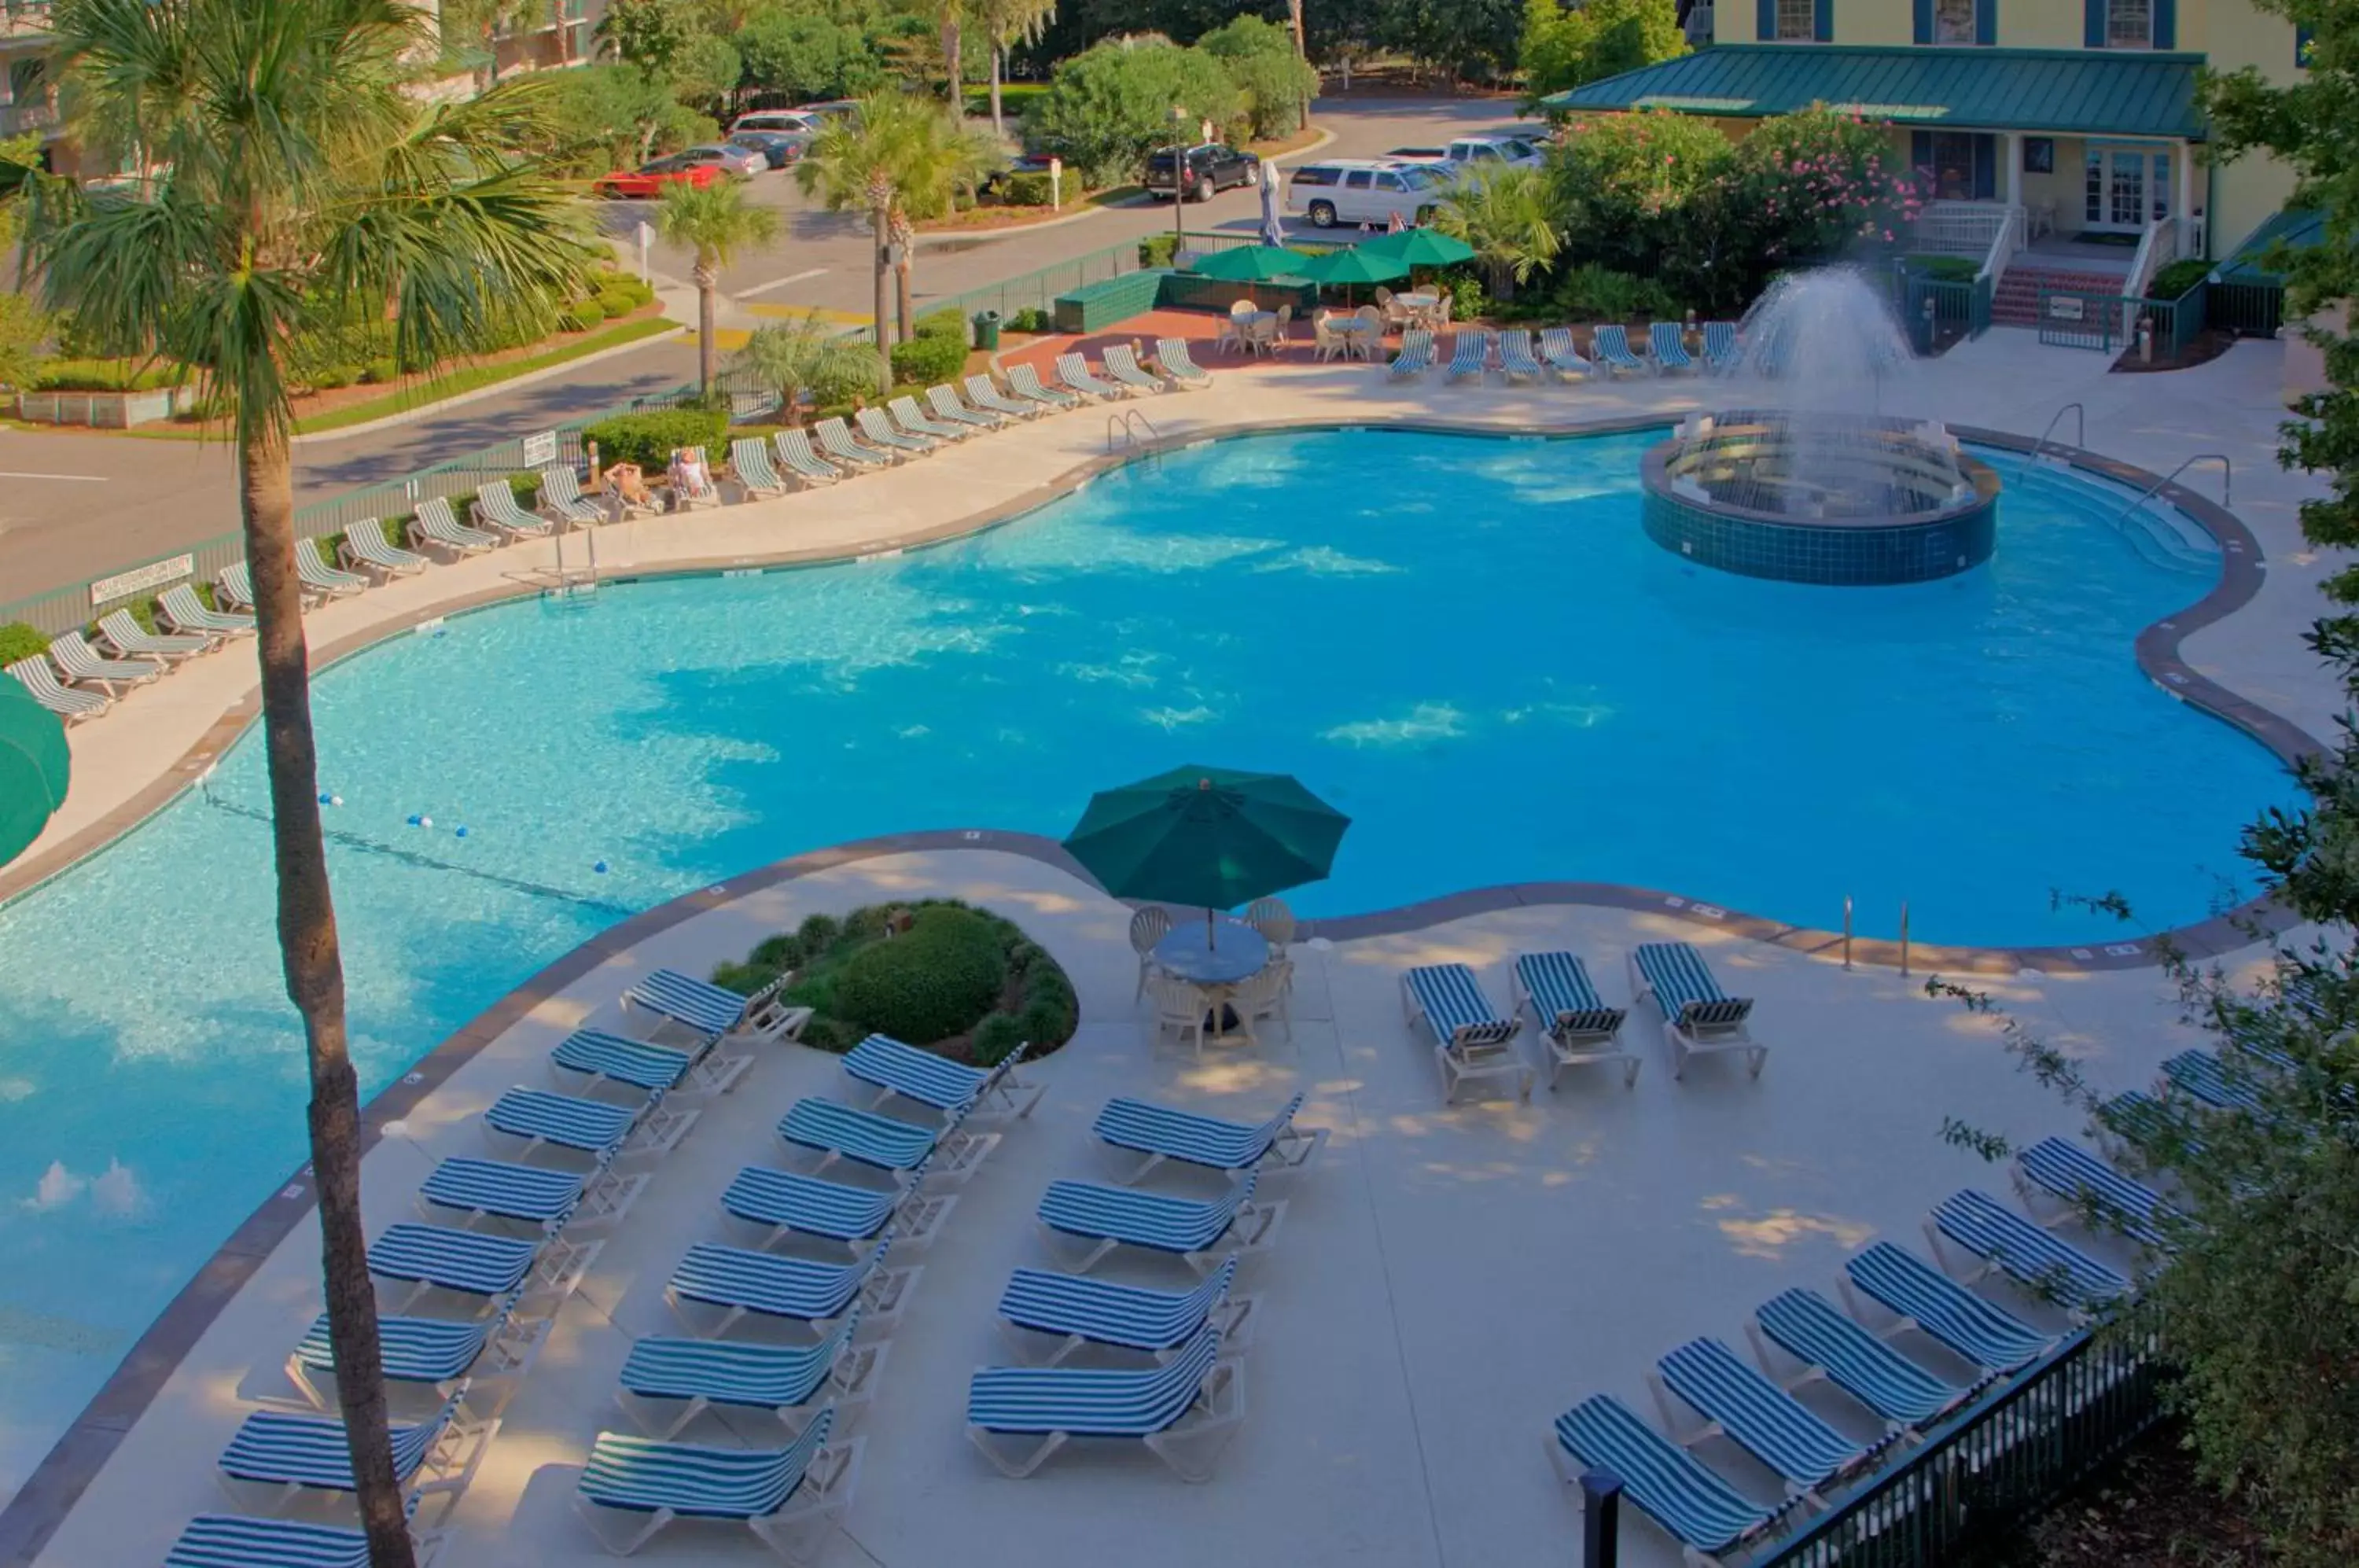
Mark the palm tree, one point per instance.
(714, 221)
(288, 175)
(1007, 23)
(806, 358)
(855, 162)
(1512, 220)
(938, 163)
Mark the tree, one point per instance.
(1274, 80)
(1512, 220)
(290, 173)
(706, 73)
(601, 117)
(806, 358)
(854, 162)
(1107, 109)
(1006, 24)
(1565, 48)
(650, 34)
(809, 55)
(714, 221)
(1623, 183)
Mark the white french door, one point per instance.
(2127, 188)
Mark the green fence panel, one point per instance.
(2248, 309)
(1096, 306)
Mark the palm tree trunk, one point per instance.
(953, 38)
(905, 245)
(880, 225)
(315, 982)
(708, 298)
(998, 67)
(1302, 51)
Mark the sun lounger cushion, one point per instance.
(228, 1540)
(1809, 1328)
(1760, 1417)
(807, 1204)
(1455, 1006)
(414, 1350)
(693, 1481)
(1984, 1227)
(1684, 987)
(1104, 1313)
(509, 1192)
(2077, 1176)
(1142, 1219)
(1983, 1333)
(612, 1057)
(1089, 1401)
(698, 1004)
(758, 1377)
(1198, 1140)
(914, 1074)
(1670, 1484)
(775, 1287)
(464, 1261)
(591, 1127)
(310, 1451)
(836, 1128)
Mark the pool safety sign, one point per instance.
(139, 579)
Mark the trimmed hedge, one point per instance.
(649, 439)
(931, 982)
(925, 361)
(1031, 318)
(18, 640)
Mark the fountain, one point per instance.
(1806, 478)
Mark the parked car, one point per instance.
(647, 180)
(794, 122)
(1364, 191)
(1477, 152)
(827, 106)
(777, 149)
(742, 162)
(1017, 163)
(1211, 167)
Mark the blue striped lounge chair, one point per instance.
(320, 580)
(786, 1202)
(876, 427)
(836, 1131)
(1698, 1016)
(736, 1282)
(1913, 1294)
(917, 422)
(1204, 1233)
(1183, 1409)
(706, 1011)
(1738, 1403)
(561, 498)
(1670, 345)
(184, 612)
(523, 1122)
(1704, 1514)
(1580, 1027)
(1024, 381)
(528, 1194)
(1800, 1337)
(80, 662)
(276, 1456)
(39, 677)
(1073, 375)
(808, 467)
(595, 1059)
(1123, 368)
(487, 1357)
(2136, 1118)
(476, 1263)
(1470, 1038)
(2005, 1242)
(2091, 1191)
(1560, 353)
(667, 1382)
(234, 1540)
(787, 1497)
(2198, 1073)
(436, 524)
(982, 394)
(1160, 1133)
(1720, 347)
(1415, 356)
(838, 445)
(1516, 361)
(1070, 1311)
(1609, 345)
(749, 460)
(129, 638)
(950, 1087)
(234, 586)
(496, 507)
(1470, 354)
(1176, 360)
(364, 545)
(946, 404)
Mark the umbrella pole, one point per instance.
(1211, 936)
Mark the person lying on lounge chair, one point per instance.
(626, 490)
(690, 478)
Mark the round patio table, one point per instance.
(1241, 952)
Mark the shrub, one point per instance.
(743, 978)
(1594, 293)
(2177, 278)
(1031, 318)
(527, 489)
(581, 317)
(330, 377)
(1273, 81)
(995, 1037)
(1110, 107)
(780, 954)
(1157, 250)
(380, 372)
(18, 640)
(1050, 1011)
(1467, 300)
(943, 324)
(1027, 189)
(817, 933)
(937, 978)
(616, 302)
(826, 1034)
(1945, 268)
(926, 360)
(649, 439)
(107, 376)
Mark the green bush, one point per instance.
(1157, 250)
(827, 1034)
(1467, 300)
(2177, 278)
(817, 933)
(382, 371)
(1944, 268)
(1594, 293)
(743, 978)
(18, 640)
(935, 980)
(946, 322)
(527, 489)
(995, 1037)
(584, 317)
(649, 439)
(1273, 79)
(1107, 108)
(778, 954)
(329, 377)
(107, 376)
(925, 361)
(1027, 189)
(616, 302)
(1031, 318)
(1050, 1011)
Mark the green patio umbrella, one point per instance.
(33, 768)
(1421, 248)
(1351, 267)
(1210, 836)
(1249, 264)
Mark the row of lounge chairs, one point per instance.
(505, 1280)
(1185, 1403)
(1706, 1392)
(1470, 354)
(1473, 1041)
(820, 1257)
(77, 679)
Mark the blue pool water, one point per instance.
(1467, 644)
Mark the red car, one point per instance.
(647, 180)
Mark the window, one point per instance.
(1391, 183)
(1356, 180)
(1953, 166)
(1314, 174)
(2129, 23)
(1955, 22)
(1798, 20)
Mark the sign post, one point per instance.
(1056, 184)
(647, 237)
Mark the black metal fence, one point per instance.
(2248, 309)
(2008, 1458)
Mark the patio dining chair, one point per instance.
(1147, 927)
(1232, 330)
(1372, 333)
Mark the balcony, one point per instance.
(16, 119)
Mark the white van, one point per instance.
(1364, 190)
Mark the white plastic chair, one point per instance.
(1179, 1008)
(1147, 927)
(1274, 921)
(1263, 996)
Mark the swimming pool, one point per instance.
(1468, 644)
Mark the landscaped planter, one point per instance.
(107, 410)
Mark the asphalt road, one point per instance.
(75, 504)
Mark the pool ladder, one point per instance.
(1127, 428)
(568, 583)
(2079, 428)
(2227, 481)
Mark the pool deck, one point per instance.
(1444, 1283)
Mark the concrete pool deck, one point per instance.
(1445, 1281)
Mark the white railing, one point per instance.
(2158, 248)
(2010, 239)
(1963, 228)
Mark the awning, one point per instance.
(2049, 91)
(2295, 228)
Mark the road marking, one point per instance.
(75, 478)
(782, 282)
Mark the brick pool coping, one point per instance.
(57, 1484)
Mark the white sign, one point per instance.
(540, 449)
(1056, 184)
(2067, 308)
(646, 238)
(155, 574)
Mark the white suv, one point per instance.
(1364, 190)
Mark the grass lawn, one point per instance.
(1013, 97)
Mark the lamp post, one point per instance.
(1179, 183)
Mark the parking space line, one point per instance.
(71, 478)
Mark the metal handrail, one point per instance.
(2080, 429)
(1128, 422)
(2227, 481)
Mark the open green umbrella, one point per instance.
(1359, 264)
(33, 768)
(1209, 837)
(1421, 248)
(1249, 264)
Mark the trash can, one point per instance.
(986, 329)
